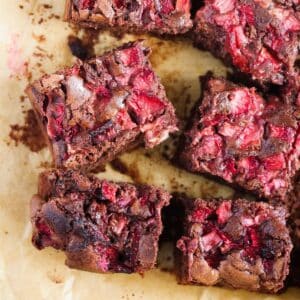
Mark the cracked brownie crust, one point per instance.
(96, 109)
(102, 226)
(158, 16)
(245, 140)
(239, 244)
(260, 38)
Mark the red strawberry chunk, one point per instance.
(248, 166)
(201, 214)
(183, 5)
(145, 107)
(254, 237)
(124, 121)
(43, 229)
(210, 147)
(236, 40)
(211, 240)
(248, 13)
(130, 57)
(166, 6)
(229, 169)
(224, 212)
(86, 4)
(224, 6)
(284, 133)
(143, 80)
(109, 190)
(55, 115)
(107, 257)
(274, 162)
(119, 3)
(250, 137)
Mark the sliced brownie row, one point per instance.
(259, 38)
(114, 227)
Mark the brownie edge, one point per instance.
(102, 226)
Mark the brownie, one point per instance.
(157, 16)
(243, 139)
(98, 108)
(259, 38)
(102, 226)
(238, 244)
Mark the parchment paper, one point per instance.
(33, 40)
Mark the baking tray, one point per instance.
(34, 40)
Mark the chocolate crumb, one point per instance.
(119, 166)
(29, 134)
(83, 47)
(77, 48)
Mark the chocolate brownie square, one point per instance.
(99, 108)
(158, 16)
(239, 137)
(101, 225)
(260, 38)
(239, 244)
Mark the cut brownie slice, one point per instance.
(102, 226)
(158, 16)
(240, 244)
(99, 108)
(260, 38)
(245, 140)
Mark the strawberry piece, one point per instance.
(274, 162)
(130, 57)
(211, 240)
(109, 191)
(86, 4)
(224, 6)
(201, 214)
(284, 133)
(183, 6)
(55, 115)
(108, 256)
(224, 212)
(124, 120)
(210, 147)
(166, 6)
(143, 80)
(145, 107)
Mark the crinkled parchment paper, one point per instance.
(33, 40)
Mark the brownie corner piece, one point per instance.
(160, 17)
(259, 39)
(239, 244)
(102, 226)
(244, 139)
(99, 108)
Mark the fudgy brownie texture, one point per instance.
(260, 38)
(243, 139)
(158, 16)
(102, 226)
(239, 244)
(99, 108)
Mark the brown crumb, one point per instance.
(119, 166)
(83, 47)
(39, 38)
(28, 134)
